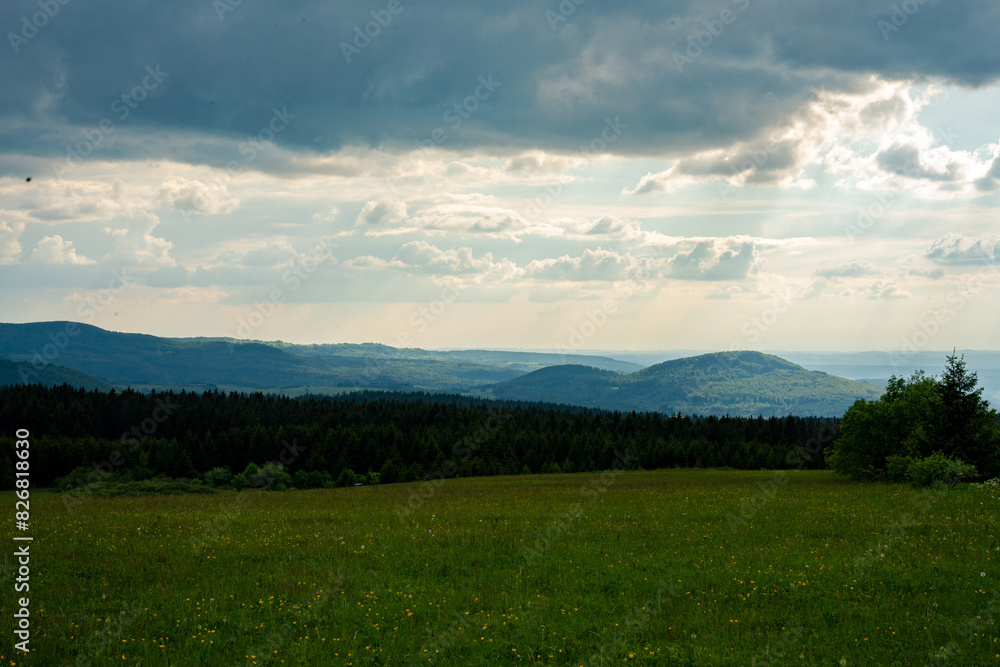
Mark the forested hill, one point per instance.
(49, 375)
(142, 361)
(401, 436)
(735, 383)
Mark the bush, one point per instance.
(80, 477)
(897, 468)
(157, 486)
(273, 477)
(240, 482)
(300, 480)
(320, 479)
(347, 477)
(219, 476)
(939, 468)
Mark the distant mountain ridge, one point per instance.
(50, 375)
(735, 383)
(144, 361)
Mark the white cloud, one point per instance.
(425, 258)
(81, 201)
(958, 249)
(716, 259)
(592, 265)
(137, 248)
(193, 195)
(268, 253)
(54, 250)
(870, 138)
(464, 218)
(382, 212)
(540, 162)
(855, 269)
(886, 289)
(10, 248)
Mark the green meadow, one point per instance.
(676, 567)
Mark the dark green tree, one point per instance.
(917, 418)
(967, 428)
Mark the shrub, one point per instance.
(320, 479)
(218, 476)
(79, 477)
(897, 468)
(273, 477)
(347, 477)
(300, 480)
(158, 486)
(939, 468)
(240, 482)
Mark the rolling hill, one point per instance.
(12, 373)
(143, 361)
(734, 383)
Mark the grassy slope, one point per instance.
(814, 572)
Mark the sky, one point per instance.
(733, 174)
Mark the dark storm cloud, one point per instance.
(157, 79)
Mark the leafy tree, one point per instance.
(913, 420)
(967, 427)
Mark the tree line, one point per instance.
(131, 436)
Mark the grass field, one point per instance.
(664, 567)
